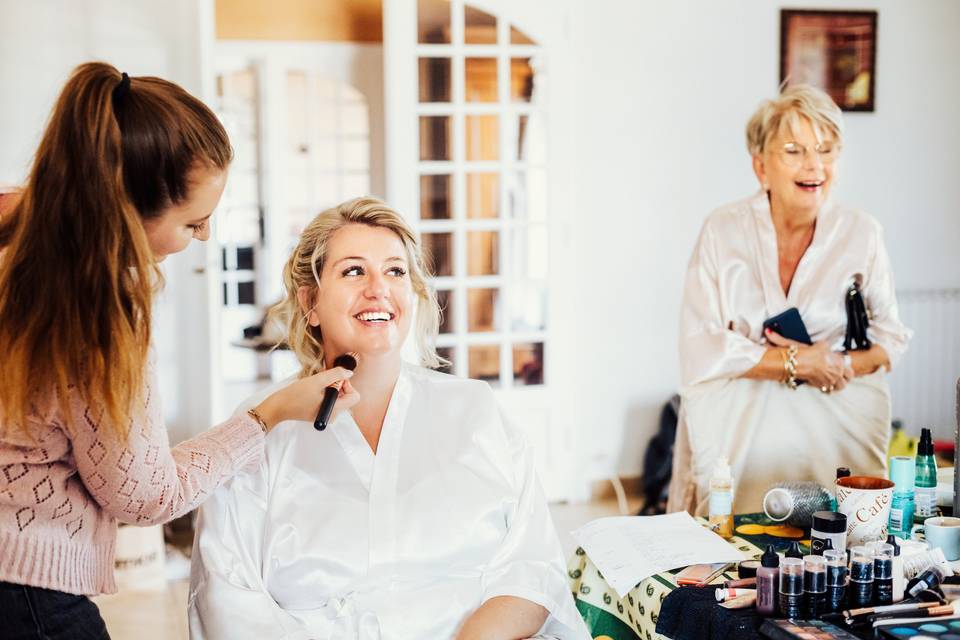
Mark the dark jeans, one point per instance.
(31, 613)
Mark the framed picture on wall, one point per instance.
(833, 50)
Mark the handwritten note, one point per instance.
(629, 549)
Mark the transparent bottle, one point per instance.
(925, 489)
(721, 499)
(902, 472)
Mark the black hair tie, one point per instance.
(121, 90)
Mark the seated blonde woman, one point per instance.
(416, 514)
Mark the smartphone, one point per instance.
(788, 324)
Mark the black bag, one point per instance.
(658, 461)
(858, 318)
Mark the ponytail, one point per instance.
(77, 275)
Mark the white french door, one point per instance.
(470, 156)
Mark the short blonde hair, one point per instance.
(305, 265)
(786, 110)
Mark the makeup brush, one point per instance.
(331, 393)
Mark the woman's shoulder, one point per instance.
(451, 386)
(733, 214)
(854, 217)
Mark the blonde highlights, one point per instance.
(785, 112)
(305, 265)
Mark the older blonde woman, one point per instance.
(790, 245)
(417, 514)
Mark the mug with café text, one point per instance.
(865, 500)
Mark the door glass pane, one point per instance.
(435, 80)
(528, 363)
(482, 310)
(483, 137)
(483, 195)
(439, 251)
(527, 195)
(483, 253)
(521, 80)
(528, 307)
(528, 255)
(519, 37)
(435, 138)
(479, 27)
(481, 79)
(433, 23)
(447, 354)
(484, 363)
(445, 300)
(436, 202)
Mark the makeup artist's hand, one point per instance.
(301, 400)
(817, 365)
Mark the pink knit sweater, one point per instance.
(62, 493)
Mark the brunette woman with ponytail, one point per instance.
(128, 171)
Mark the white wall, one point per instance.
(665, 91)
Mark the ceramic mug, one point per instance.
(943, 533)
(866, 502)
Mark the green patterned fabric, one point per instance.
(610, 617)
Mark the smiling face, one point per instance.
(172, 230)
(365, 300)
(797, 166)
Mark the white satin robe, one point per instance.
(767, 431)
(330, 540)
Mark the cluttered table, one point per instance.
(636, 615)
(657, 608)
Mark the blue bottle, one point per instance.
(903, 470)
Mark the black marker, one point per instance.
(349, 362)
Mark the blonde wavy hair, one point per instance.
(305, 265)
(786, 110)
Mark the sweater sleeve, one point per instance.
(134, 474)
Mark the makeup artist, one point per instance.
(788, 246)
(129, 170)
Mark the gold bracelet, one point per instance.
(790, 365)
(256, 416)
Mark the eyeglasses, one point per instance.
(794, 154)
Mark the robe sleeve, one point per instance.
(228, 599)
(529, 563)
(879, 294)
(708, 349)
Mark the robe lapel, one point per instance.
(383, 488)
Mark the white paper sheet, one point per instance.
(629, 549)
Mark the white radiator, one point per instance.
(923, 385)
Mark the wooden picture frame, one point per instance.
(833, 50)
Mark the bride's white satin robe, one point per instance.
(767, 431)
(329, 540)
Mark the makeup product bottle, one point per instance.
(836, 565)
(929, 579)
(721, 499)
(793, 551)
(902, 472)
(925, 490)
(882, 574)
(828, 525)
(768, 578)
(814, 586)
(842, 472)
(791, 588)
(861, 577)
(899, 583)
